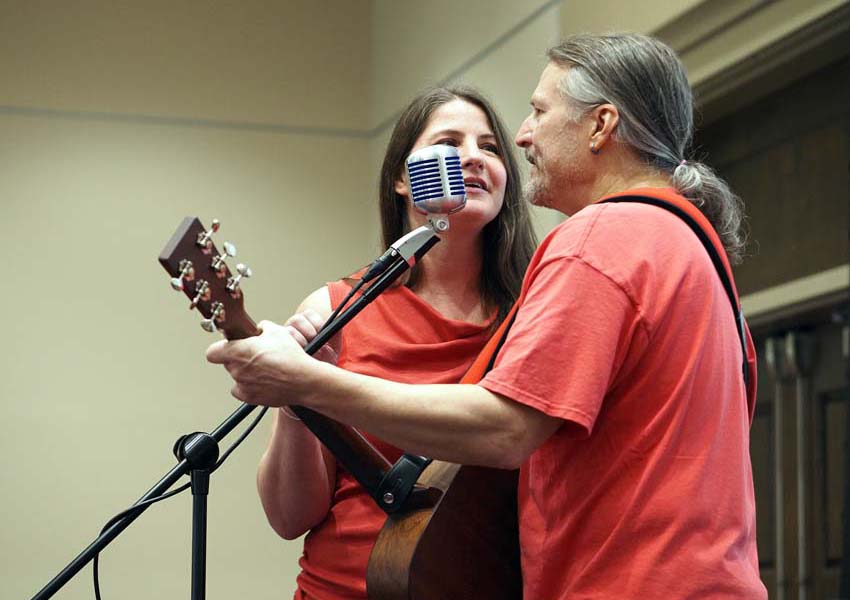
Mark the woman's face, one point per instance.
(465, 126)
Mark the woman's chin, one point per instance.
(471, 218)
(475, 215)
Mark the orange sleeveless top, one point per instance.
(402, 338)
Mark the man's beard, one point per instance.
(536, 191)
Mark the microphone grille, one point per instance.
(436, 179)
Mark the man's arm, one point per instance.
(458, 423)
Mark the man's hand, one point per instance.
(268, 369)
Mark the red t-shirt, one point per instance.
(646, 491)
(402, 338)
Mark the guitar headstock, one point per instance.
(199, 270)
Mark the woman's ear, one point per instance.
(401, 188)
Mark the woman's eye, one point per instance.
(493, 148)
(448, 142)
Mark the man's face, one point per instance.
(555, 139)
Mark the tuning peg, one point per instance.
(217, 316)
(202, 292)
(233, 283)
(187, 272)
(205, 238)
(218, 262)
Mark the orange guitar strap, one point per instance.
(487, 357)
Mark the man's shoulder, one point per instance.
(636, 246)
(609, 227)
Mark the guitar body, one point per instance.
(466, 546)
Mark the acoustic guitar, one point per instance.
(458, 541)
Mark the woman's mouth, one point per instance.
(474, 183)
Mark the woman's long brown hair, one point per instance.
(508, 240)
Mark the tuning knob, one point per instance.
(233, 283)
(218, 264)
(205, 239)
(216, 317)
(187, 272)
(202, 292)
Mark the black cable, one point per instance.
(173, 492)
(342, 304)
(240, 439)
(123, 514)
(378, 266)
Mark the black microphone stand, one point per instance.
(198, 452)
(201, 450)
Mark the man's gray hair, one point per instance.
(647, 83)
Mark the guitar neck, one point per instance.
(366, 464)
(200, 271)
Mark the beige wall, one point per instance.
(116, 121)
(119, 118)
(253, 61)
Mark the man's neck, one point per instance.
(628, 177)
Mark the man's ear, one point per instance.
(605, 117)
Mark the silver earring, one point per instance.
(593, 149)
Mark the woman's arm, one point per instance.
(297, 474)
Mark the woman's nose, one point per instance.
(471, 156)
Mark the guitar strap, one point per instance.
(487, 356)
(700, 225)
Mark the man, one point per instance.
(618, 391)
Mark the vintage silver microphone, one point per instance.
(437, 189)
(436, 183)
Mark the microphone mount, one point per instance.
(439, 223)
(409, 248)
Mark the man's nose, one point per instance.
(523, 136)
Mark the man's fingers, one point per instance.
(237, 392)
(216, 352)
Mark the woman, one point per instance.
(428, 330)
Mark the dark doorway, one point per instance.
(786, 154)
